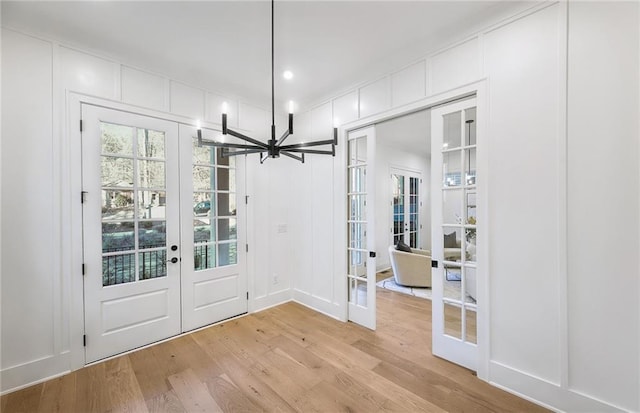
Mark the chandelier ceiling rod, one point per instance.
(273, 148)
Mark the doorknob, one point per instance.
(174, 248)
(173, 260)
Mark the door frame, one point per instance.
(407, 172)
(71, 211)
(478, 89)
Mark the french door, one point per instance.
(453, 157)
(156, 262)
(405, 190)
(361, 257)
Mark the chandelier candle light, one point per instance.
(273, 148)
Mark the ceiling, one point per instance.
(224, 46)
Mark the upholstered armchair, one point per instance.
(411, 269)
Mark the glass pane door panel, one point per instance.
(357, 179)
(470, 166)
(452, 137)
(152, 234)
(453, 320)
(117, 204)
(470, 126)
(116, 139)
(153, 264)
(357, 263)
(118, 269)
(452, 283)
(204, 230)
(226, 204)
(471, 328)
(227, 254)
(150, 144)
(452, 207)
(451, 169)
(358, 292)
(152, 204)
(226, 229)
(118, 236)
(358, 235)
(452, 243)
(117, 172)
(204, 256)
(357, 151)
(203, 203)
(470, 244)
(357, 210)
(151, 174)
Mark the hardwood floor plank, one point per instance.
(288, 358)
(166, 402)
(192, 393)
(229, 397)
(25, 400)
(58, 395)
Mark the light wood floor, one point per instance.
(284, 359)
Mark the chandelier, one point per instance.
(273, 148)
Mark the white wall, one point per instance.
(562, 185)
(38, 294)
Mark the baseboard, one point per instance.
(271, 300)
(34, 372)
(318, 304)
(544, 393)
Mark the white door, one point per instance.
(406, 204)
(214, 279)
(361, 259)
(453, 157)
(130, 222)
(162, 232)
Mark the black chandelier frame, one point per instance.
(273, 148)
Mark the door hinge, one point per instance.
(434, 264)
(247, 295)
(83, 196)
(246, 247)
(80, 125)
(246, 199)
(83, 269)
(84, 340)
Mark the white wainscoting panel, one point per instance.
(84, 73)
(187, 100)
(322, 123)
(409, 84)
(456, 66)
(374, 97)
(345, 108)
(144, 89)
(522, 62)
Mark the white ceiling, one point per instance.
(225, 46)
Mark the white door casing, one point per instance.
(361, 260)
(454, 188)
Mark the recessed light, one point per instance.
(287, 74)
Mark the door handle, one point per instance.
(174, 248)
(173, 260)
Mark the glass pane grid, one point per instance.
(133, 158)
(215, 223)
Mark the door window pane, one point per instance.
(452, 137)
(150, 144)
(151, 174)
(357, 263)
(117, 172)
(153, 264)
(152, 204)
(118, 269)
(116, 139)
(203, 178)
(226, 229)
(453, 320)
(227, 254)
(152, 234)
(118, 236)
(204, 256)
(117, 204)
(204, 230)
(452, 207)
(470, 126)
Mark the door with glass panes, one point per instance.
(138, 207)
(405, 203)
(454, 145)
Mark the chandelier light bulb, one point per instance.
(225, 108)
(291, 106)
